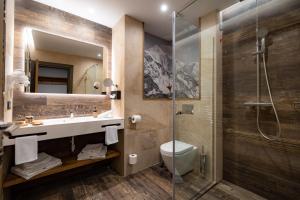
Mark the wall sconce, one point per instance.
(18, 77)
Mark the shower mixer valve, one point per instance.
(186, 109)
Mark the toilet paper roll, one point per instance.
(132, 159)
(136, 118)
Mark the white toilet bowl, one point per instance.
(185, 156)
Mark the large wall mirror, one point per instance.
(56, 64)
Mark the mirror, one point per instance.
(108, 82)
(56, 64)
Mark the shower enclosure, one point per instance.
(236, 75)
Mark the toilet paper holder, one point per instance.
(130, 119)
(133, 120)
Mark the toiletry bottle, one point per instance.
(95, 113)
(28, 119)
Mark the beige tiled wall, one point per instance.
(155, 127)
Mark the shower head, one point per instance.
(262, 34)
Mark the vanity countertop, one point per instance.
(66, 127)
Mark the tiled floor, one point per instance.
(151, 184)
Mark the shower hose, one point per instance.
(271, 99)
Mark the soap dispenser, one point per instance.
(95, 112)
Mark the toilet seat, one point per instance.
(180, 148)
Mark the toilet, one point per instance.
(185, 156)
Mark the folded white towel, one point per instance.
(26, 149)
(92, 148)
(111, 135)
(31, 169)
(86, 155)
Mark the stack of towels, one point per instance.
(92, 151)
(31, 169)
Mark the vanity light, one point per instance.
(164, 8)
(28, 38)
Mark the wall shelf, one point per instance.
(68, 164)
(261, 104)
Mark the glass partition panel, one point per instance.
(193, 102)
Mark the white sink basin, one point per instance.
(71, 120)
(66, 127)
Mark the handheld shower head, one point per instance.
(262, 34)
(263, 45)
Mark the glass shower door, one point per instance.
(193, 82)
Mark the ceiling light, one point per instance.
(99, 55)
(164, 7)
(91, 11)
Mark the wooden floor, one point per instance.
(151, 184)
(228, 191)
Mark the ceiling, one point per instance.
(49, 42)
(108, 12)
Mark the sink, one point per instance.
(102, 116)
(70, 120)
(67, 127)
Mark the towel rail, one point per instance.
(10, 136)
(103, 126)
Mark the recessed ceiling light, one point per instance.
(164, 8)
(91, 11)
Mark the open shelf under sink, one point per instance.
(69, 163)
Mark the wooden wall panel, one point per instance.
(32, 14)
(269, 168)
